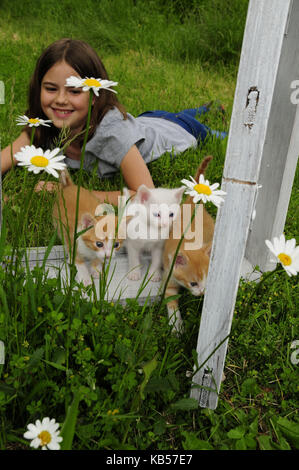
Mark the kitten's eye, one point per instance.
(116, 244)
(171, 214)
(156, 214)
(99, 244)
(193, 284)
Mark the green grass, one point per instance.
(128, 371)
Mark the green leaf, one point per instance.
(54, 364)
(250, 388)
(148, 369)
(36, 357)
(265, 442)
(69, 425)
(193, 443)
(241, 444)
(236, 433)
(290, 430)
(160, 427)
(185, 404)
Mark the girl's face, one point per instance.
(65, 106)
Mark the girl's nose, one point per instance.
(61, 97)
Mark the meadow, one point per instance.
(111, 373)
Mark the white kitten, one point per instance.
(153, 211)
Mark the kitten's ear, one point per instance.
(180, 260)
(208, 248)
(87, 220)
(179, 194)
(143, 193)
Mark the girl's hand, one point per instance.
(50, 186)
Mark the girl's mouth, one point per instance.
(62, 113)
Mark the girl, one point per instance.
(116, 139)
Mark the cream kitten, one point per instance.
(153, 212)
(190, 269)
(93, 246)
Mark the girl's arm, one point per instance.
(135, 173)
(6, 160)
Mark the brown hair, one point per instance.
(82, 58)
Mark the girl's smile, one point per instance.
(65, 106)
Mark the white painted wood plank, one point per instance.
(280, 151)
(231, 231)
(119, 288)
(259, 62)
(258, 95)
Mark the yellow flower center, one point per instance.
(92, 82)
(39, 160)
(45, 438)
(33, 120)
(286, 260)
(203, 189)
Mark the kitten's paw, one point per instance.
(95, 273)
(134, 275)
(155, 276)
(178, 327)
(86, 281)
(175, 321)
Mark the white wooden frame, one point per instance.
(262, 150)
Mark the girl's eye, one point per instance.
(116, 244)
(75, 92)
(99, 244)
(193, 284)
(50, 89)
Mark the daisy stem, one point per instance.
(74, 248)
(73, 273)
(32, 135)
(258, 287)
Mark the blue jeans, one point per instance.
(187, 120)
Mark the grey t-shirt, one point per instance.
(115, 136)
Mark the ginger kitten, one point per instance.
(190, 269)
(94, 245)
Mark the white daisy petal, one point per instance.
(29, 435)
(32, 122)
(91, 83)
(286, 253)
(35, 443)
(37, 160)
(203, 191)
(44, 434)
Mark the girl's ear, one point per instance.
(143, 194)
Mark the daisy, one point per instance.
(94, 84)
(36, 160)
(32, 122)
(203, 191)
(44, 434)
(285, 253)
